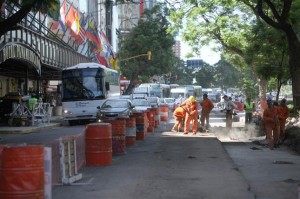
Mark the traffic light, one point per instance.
(149, 54)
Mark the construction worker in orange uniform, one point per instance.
(179, 115)
(191, 115)
(207, 106)
(283, 114)
(270, 120)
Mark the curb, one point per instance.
(26, 130)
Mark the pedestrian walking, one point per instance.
(283, 114)
(229, 107)
(191, 115)
(270, 120)
(179, 115)
(249, 107)
(207, 105)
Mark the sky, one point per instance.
(207, 55)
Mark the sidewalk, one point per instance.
(55, 121)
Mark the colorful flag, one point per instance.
(107, 50)
(72, 20)
(101, 60)
(93, 36)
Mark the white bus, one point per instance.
(84, 87)
(184, 92)
(157, 89)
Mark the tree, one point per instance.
(283, 16)
(228, 22)
(149, 35)
(10, 23)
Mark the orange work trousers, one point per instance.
(271, 134)
(204, 118)
(188, 120)
(282, 129)
(178, 123)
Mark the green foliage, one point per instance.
(149, 35)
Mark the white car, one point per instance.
(141, 104)
(170, 102)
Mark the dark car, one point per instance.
(115, 108)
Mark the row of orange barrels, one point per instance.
(22, 167)
(111, 137)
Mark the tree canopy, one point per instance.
(149, 35)
(231, 25)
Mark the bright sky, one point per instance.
(207, 55)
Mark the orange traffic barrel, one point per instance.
(118, 126)
(164, 112)
(156, 117)
(98, 144)
(151, 119)
(22, 172)
(130, 131)
(140, 118)
(118, 136)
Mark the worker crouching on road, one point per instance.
(207, 106)
(179, 115)
(191, 115)
(271, 122)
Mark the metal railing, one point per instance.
(32, 33)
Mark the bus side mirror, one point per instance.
(107, 86)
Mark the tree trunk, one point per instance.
(131, 86)
(262, 87)
(294, 65)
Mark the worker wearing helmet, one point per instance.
(191, 115)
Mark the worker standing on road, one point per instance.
(179, 115)
(229, 107)
(191, 115)
(270, 120)
(207, 105)
(283, 114)
(249, 109)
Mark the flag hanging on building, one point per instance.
(107, 51)
(56, 23)
(72, 20)
(101, 60)
(92, 35)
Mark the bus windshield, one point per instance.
(80, 84)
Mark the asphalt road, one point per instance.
(215, 165)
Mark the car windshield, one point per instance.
(140, 103)
(169, 100)
(115, 104)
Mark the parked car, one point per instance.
(141, 104)
(115, 108)
(170, 102)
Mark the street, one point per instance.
(212, 165)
